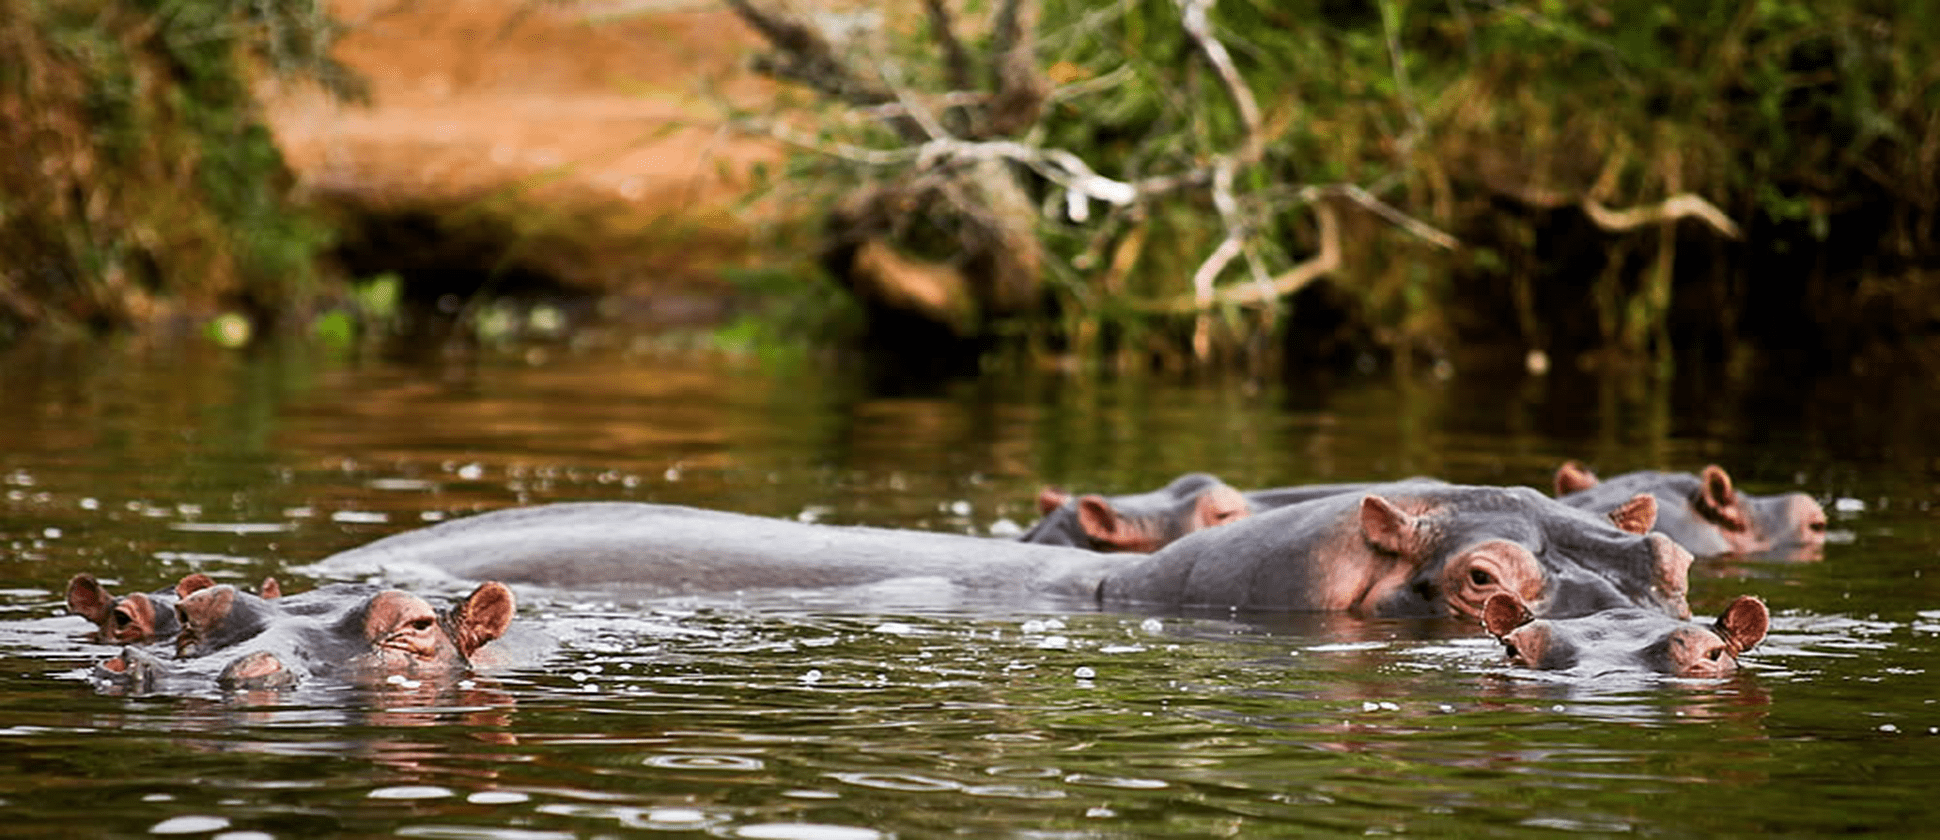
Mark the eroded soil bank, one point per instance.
(514, 145)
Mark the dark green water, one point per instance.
(787, 718)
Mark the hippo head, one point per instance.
(1711, 516)
(216, 617)
(130, 619)
(390, 634)
(1469, 544)
(1142, 522)
(1627, 639)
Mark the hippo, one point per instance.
(1705, 513)
(1147, 522)
(141, 616)
(1627, 639)
(371, 638)
(1408, 549)
(1140, 522)
(1420, 548)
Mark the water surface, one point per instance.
(797, 716)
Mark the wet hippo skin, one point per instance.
(1627, 639)
(354, 633)
(1419, 548)
(1141, 522)
(1147, 522)
(142, 616)
(1705, 513)
(1358, 553)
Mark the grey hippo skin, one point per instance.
(358, 635)
(140, 616)
(1416, 549)
(1705, 513)
(1627, 639)
(1146, 522)
(1141, 522)
(1419, 548)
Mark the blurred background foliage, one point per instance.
(139, 184)
(137, 179)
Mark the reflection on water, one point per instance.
(812, 717)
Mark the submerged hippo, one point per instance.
(1627, 639)
(1141, 522)
(1704, 512)
(141, 616)
(1411, 549)
(365, 639)
(1419, 548)
(1147, 522)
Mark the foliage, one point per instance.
(1523, 127)
(139, 177)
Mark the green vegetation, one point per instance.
(138, 178)
(1560, 143)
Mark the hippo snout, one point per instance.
(1810, 518)
(1671, 575)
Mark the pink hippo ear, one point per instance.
(1389, 528)
(1503, 613)
(1050, 499)
(192, 583)
(1572, 477)
(1718, 502)
(270, 589)
(1219, 506)
(1107, 528)
(1636, 515)
(482, 616)
(87, 598)
(1744, 624)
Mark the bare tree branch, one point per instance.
(1680, 206)
(1193, 18)
(1289, 281)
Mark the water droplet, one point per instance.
(813, 676)
(1084, 672)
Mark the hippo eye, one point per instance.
(1714, 653)
(1816, 526)
(1479, 577)
(122, 619)
(422, 624)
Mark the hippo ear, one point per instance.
(1219, 505)
(1636, 515)
(1503, 613)
(1387, 527)
(1102, 523)
(1572, 477)
(1744, 623)
(270, 589)
(1050, 499)
(191, 584)
(1717, 487)
(482, 616)
(87, 598)
(204, 609)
